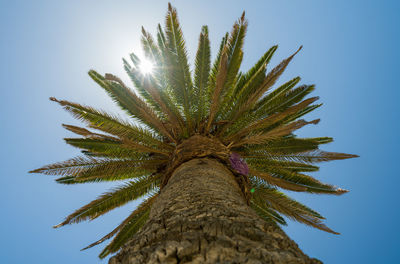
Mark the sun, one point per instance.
(146, 66)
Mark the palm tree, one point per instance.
(208, 152)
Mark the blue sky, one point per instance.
(350, 52)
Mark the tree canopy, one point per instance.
(251, 119)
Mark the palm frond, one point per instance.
(277, 93)
(130, 102)
(137, 79)
(69, 167)
(266, 161)
(234, 51)
(283, 101)
(111, 200)
(295, 181)
(271, 120)
(291, 208)
(139, 82)
(245, 86)
(201, 75)
(120, 169)
(151, 50)
(279, 182)
(86, 133)
(115, 126)
(178, 68)
(261, 63)
(89, 169)
(161, 40)
(265, 212)
(143, 208)
(216, 97)
(301, 113)
(232, 107)
(156, 97)
(315, 156)
(271, 78)
(259, 91)
(280, 131)
(105, 147)
(216, 65)
(287, 145)
(130, 228)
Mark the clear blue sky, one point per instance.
(351, 52)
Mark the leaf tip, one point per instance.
(85, 248)
(341, 191)
(316, 121)
(59, 225)
(300, 48)
(243, 16)
(53, 99)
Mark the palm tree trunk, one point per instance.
(201, 216)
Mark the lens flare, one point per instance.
(146, 66)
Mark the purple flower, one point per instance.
(239, 164)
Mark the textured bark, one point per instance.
(201, 216)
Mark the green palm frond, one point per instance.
(130, 102)
(315, 156)
(152, 51)
(235, 103)
(119, 169)
(277, 96)
(261, 63)
(294, 181)
(105, 147)
(260, 90)
(214, 70)
(273, 134)
(234, 51)
(260, 111)
(70, 167)
(153, 89)
(201, 75)
(244, 87)
(270, 79)
(265, 212)
(272, 120)
(277, 181)
(129, 227)
(284, 101)
(108, 201)
(90, 169)
(285, 145)
(138, 80)
(115, 126)
(179, 76)
(229, 64)
(289, 207)
(135, 218)
(265, 162)
(301, 113)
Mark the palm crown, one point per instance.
(219, 111)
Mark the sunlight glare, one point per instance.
(146, 66)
